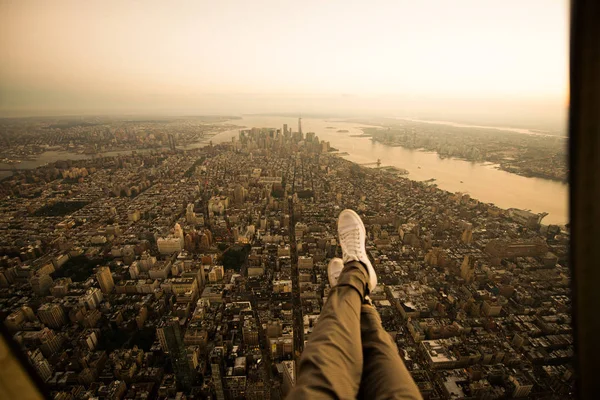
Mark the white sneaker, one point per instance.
(353, 236)
(334, 269)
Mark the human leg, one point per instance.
(332, 362)
(384, 374)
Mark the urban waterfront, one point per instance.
(481, 181)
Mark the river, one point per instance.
(481, 181)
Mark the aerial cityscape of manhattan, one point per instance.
(271, 200)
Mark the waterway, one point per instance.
(482, 181)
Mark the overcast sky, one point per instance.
(262, 55)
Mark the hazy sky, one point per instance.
(257, 55)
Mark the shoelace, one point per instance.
(351, 239)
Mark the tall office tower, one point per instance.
(178, 232)
(467, 269)
(285, 130)
(52, 315)
(239, 194)
(172, 142)
(40, 284)
(40, 363)
(170, 336)
(300, 128)
(105, 279)
(190, 215)
(216, 367)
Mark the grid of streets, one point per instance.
(204, 272)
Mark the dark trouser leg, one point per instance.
(384, 374)
(332, 362)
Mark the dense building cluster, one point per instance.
(26, 138)
(201, 274)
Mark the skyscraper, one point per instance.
(40, 363)
(170, 336)
(216, 366)
(239, 194)
(105, 279)
(190, 215)
(40, 284)
(172, 142)
(52, 315)
(178, 232)
(467, 268)
(300, 127)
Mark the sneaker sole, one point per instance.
(335, 260)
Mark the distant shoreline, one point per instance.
(525, 131)
(500, 164)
